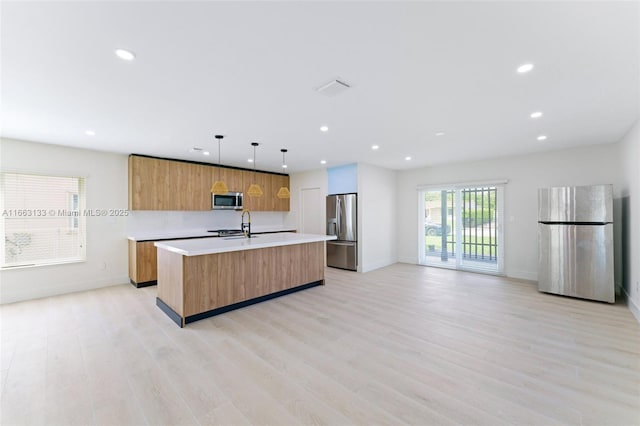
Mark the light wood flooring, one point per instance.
(401, 345)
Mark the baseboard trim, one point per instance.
(11, 295)
(175, 317)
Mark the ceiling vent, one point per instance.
(333, 87)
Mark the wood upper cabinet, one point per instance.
(232, 177)
(279, 204)
(197, 180)
(148, 183)
(160, 184)
(262, 203)
(270, 185)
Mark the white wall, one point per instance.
(630, 160)
(376, 217)
(106, 188)
(581, 166)
(141, 221)
(299, 182)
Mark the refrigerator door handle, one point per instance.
(335, 243)
(338, 214)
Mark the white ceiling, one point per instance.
(248, 70)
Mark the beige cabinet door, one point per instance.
(158, 184)
(232, 177)
(148, 183)
(279, 204)
(262, 203)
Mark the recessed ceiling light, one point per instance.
(90, 133)
(525, 68)
(195, 149)
(440, 134)
(374, 147)
(323, 162)
(284, 166)
(206, 153)
(536, 114)
(250, 160)
(125, 54)
(407, 158)
(542, 138)
(324, 129)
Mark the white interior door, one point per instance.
(312, 211)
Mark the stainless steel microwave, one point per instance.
(228, 201)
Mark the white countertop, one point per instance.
(200, 246)
(170, 234)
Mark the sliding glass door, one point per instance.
(461, 228)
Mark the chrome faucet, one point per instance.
(246, 226)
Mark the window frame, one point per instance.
(75, 225)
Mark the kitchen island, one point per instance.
(199, 278)
(143, 260)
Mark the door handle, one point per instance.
(338, 214)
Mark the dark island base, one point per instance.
(143, 284)
(175, 317)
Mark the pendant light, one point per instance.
(283, 192)
(219, 187)
(254, 188)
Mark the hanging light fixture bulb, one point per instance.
(219, 187)
(254, 188)
(283, 192)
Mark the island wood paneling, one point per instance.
(202, 297)
(171, 274)
(231, 270)
(261, 273)
(217, 280)
(285, 262)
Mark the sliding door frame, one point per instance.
(460, 262)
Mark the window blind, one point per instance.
(42, 219)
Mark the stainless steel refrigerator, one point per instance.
(575, 241)
(342, 221)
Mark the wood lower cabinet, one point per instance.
(143, 263)
(162, 184)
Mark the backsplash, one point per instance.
(142, 221)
